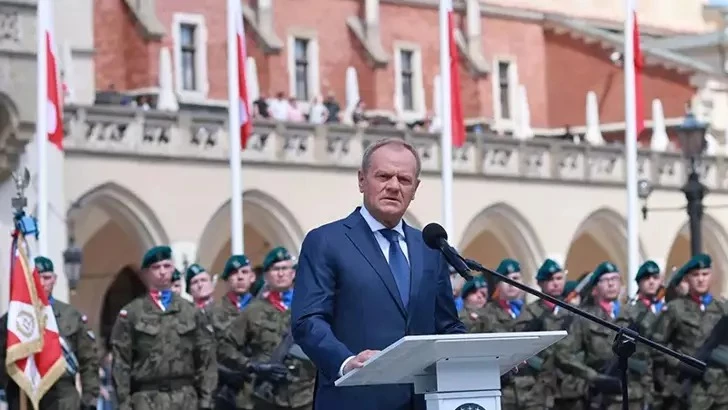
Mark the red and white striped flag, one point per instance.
(54, 120)
(34, 358)
(238, 37)
(457, 123)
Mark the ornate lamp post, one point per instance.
(73, 255)
(692, 140)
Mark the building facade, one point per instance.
(141, 169)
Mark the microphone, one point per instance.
(435, 237)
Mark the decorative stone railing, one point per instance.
(127, 131)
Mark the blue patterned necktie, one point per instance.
(398, 264)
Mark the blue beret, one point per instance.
(472, 285)
(603, 268)
(547, 270)
(156, 254)
(647, 269)
(192, 271)
(234, 263)
(699, 261)
(43, 264)
(176, 275)
(277, 254)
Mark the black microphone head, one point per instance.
(433, 234)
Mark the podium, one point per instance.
(454, 372)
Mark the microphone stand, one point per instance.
(624, 344)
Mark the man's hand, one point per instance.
(358, 360)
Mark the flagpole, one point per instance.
(630, 114)
(41, 124)
(446, 118)
(236, 184)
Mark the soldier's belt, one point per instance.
(719, 356)
(163, 385)
(637, 366)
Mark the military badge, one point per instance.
(209, 328)
(84, 318)
(123, 313)
(510, 268)
(473, 315)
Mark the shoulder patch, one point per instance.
(91, 335)
(123, 313)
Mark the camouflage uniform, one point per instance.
(595, 343)
(519, 391)
(163, 359)
(684, 325)
(542, 316)
(469, 314)
(255, 334)
(82, 343)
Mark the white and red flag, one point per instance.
(34, 358)
(238, 89)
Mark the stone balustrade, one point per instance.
(200, 135)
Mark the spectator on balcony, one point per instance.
(333, 108)
(318, 112)
(295, 114)
(357, 116)
(260, 108)
(279, 107)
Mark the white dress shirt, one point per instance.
(384, 244)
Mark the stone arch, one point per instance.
(126, 287)
(114, 228)
(715, 243)
(500, 231)
(268, 223)
(600, 236)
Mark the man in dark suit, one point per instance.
(366, 281)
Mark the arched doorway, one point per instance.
(602, 236)
(499, 232)
(126, 287)
(267, 224)
(715, 244)
(114, 228)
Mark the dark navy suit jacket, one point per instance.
(347, 301)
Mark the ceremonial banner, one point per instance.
(34, 358)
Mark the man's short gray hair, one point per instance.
(366, 159)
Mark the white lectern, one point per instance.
(454, 372)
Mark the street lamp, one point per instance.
(73, 255)
(644, 189)
(692, 140)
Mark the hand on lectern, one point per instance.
(358, 360)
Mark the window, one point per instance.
(189, 39)
(406, 58)
(504, 89)
(187, 50)
(301, 62)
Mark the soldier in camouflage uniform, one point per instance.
(176, 285)
(595, 343)
(641, 314)
(520, 391)
(259, 331)
(474, 295)
(163, 347)
(199, 286)
(561, 390)
(238, 276)
(684, 325)
(79, 349)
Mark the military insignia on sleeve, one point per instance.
(84, 318)
(473, 315)
(123, 313)
(91, 335)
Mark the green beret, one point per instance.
(699, 261)
(547, 270)
(234, 263)
(570, 286)
(647, 269)
(176, 275)
(43, 264)
(156, 254)
(276, 255)
(472, 285)
(192, 271)
(603, 268)
(506, 267)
